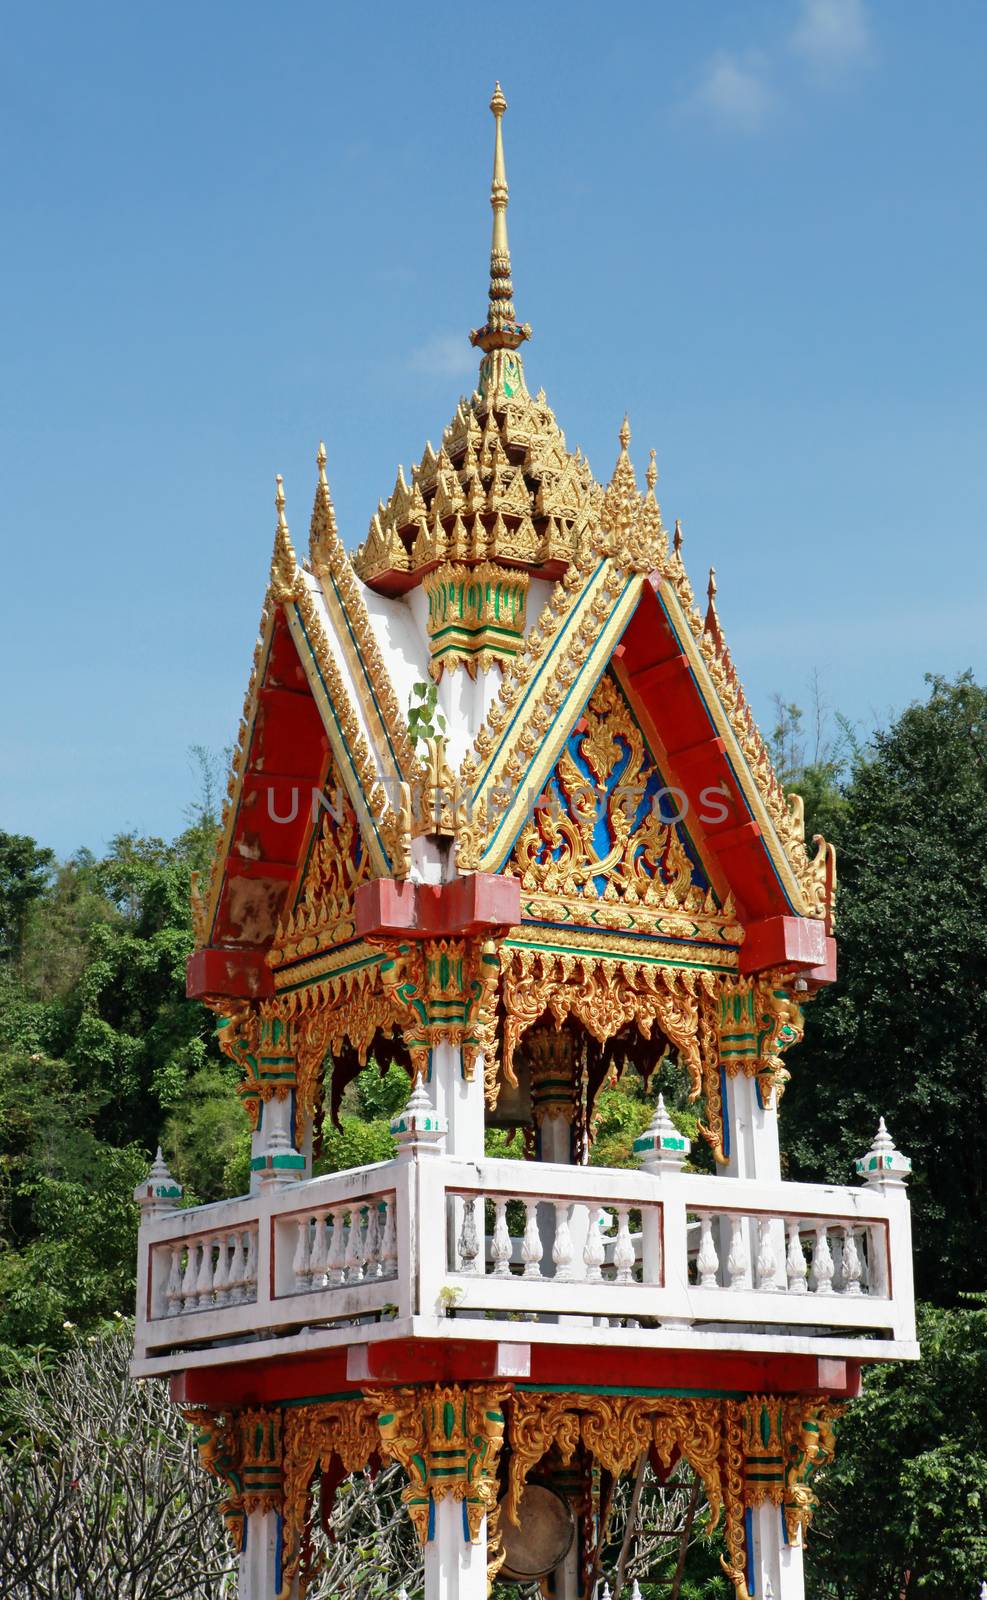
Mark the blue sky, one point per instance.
(234, 230)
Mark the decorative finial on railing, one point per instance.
(159, 1193)
(501, 331)
(662, 1148)
(419, 1129)
(883, 1164)
(280, 1164)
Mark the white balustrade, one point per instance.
(345, 1244)
(412, 1243)
(544, 1250)
(839, 1254)
(211, 1270)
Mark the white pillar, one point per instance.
(752, 1130)
(773, 1560)
(460, 1102)
(454, 1568)
(260, 1575)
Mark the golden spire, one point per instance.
(651, 476)
(501, 331)
(323, 533)
(284, 563)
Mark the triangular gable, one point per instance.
(320, 710)
(682, 686)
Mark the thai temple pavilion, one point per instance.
(499, 812)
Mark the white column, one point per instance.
(455, 1569)
(773, 1559)
(753, 1131)
(260, 1561)
(460, 1102)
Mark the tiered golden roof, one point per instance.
(503, 485)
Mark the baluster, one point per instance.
(337, 1250)
(190, 1274)
(795, 1260)
(531, 1251)
(317, 1259)
(354, 1247)
(235, 1281)
(822, 1262)
(389, 1242)
(853, 1268)
(468, 1243)
(500, 1250)
(221, 1277)
(738, 1267)
(203, 1282)
(562, 1251)
(371, 1247)
(836, 1249)
(173, 1293)
(623, 1250)
(707, 1261)
(766, 1264)
(594, 1250)
(250, 1266)
(299, 1265)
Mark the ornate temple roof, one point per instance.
(503, 513)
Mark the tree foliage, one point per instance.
(904, 1031)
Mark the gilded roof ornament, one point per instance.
(501, 331)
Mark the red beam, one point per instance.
(482, 901)
(237, 974)
(576, 1367)
(788, 942)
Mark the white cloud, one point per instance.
(446, 355)
(735, 91)
(832, 33)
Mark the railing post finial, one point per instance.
(883, 1166)
(419, 1130)
(158, 1194)
(662, 1148)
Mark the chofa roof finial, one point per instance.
(501, 331)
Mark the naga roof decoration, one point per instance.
(575, 592)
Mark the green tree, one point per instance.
(904, 1031)
(24, 872)
(903, 1509)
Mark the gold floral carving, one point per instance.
(811, 1445)
(448, 1440)
(557, 854)
(443, 991)
(614, 1429)
(605, 994)
(734, 1563)
(313, 1436)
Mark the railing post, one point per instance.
(885, 1170)
(663, 1151)
(420, 1133)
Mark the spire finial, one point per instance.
(501, 331)
(625, 433)
(711, 586)
(677, 537)
(279, 503)
(321, 460)
(651, 475)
